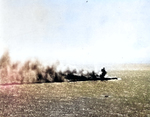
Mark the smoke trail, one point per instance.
(35, 72)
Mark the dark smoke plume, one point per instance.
(35, 72)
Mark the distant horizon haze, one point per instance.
(77, 32)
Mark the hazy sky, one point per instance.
(76, 31)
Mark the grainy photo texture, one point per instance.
(74, 58)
